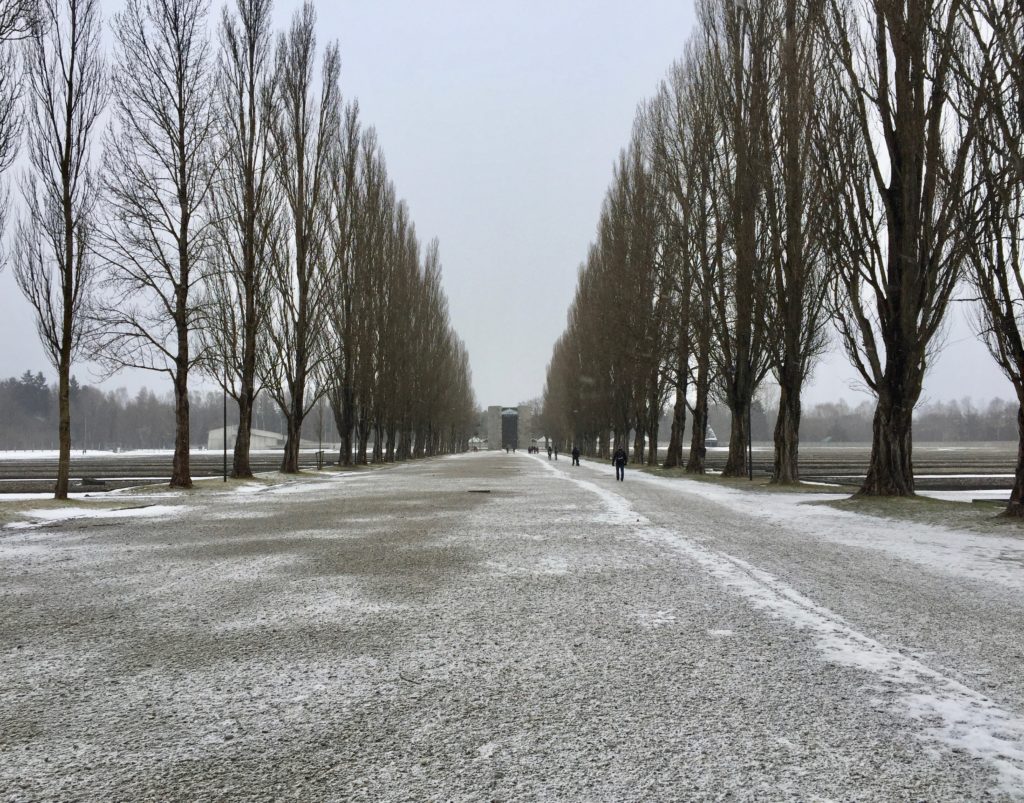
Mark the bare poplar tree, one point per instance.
(994, 213)
(738, 51)
(244, 207)
(894, 165)
(793, 204)
(345, 198)
(668, 136)
(683, 153)
(706, 233)
(304, 134)
(66, 92)
(157, 185)
(16, 20)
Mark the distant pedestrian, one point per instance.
(549, 451)
(556, 451)
(506, 449)
(619, 459)
(575, 455)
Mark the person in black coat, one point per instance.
(575, 455)
(619, 459)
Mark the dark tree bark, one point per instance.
(695, 461)
(787, 433)
(674, 456)
(1015, 508)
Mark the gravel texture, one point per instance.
(399, 635)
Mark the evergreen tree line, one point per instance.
(233, 220)
(808, 171)
(114, 420)
(953, 421)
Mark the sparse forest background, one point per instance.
(116, 419)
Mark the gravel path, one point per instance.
(399, 635)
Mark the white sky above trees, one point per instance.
(500, 124)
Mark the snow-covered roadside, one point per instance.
(53, 454)
(247, 492)
(987, 558)
(952, 714)
(45, 516)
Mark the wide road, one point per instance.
(502, 627)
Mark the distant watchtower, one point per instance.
(509, 427)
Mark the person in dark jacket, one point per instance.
(619, 459)
(575, 455)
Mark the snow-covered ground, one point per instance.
(968, 496)
(500, 627)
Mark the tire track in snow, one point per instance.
(952, 714)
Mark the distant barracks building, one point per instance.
(510, 427)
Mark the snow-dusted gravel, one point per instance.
(396, 635)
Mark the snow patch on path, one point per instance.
(44, 516)
(952, 713)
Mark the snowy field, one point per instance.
(505, 627)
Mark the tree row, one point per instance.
(809, 170)
(233, 219)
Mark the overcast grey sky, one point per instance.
(500, 123)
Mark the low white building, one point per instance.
(258, 439)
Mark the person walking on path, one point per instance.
(556, 451)
(549, 451)
(619, 459)
(575, 455)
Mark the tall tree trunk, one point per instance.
(1016, 506)
(292, 442)
(392, 439)
(363, 433)
(695, 462)
(347, 426)
(736, 463)
(348, 410)
(378, 443)
(674, 455)
(653, 418)
(240, 465)
(891, 468)
(181, 476)
(60, 490)
(638, 441)
(296, 402)
(787, 427)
